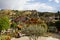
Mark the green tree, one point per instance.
(58, 13)
(57, 24)
(4, 23)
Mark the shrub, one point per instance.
(35, 30)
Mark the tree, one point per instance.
(58, 14)
(34, 30)
(4, 23)
(57, 24)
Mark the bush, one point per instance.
(4, 23)
(2, 38)
(57, 24)
(52, 29)
(35, 30)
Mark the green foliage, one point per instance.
(4, 23)
(14, 25)
(35, 30)
(52, 29)
(57, 23)
(2, 38)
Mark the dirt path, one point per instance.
(40, 38)
(51, 36)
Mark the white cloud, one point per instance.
(11, 4)
(24, 5)
(56, 1)
(39, 7)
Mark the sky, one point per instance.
(39, 5)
